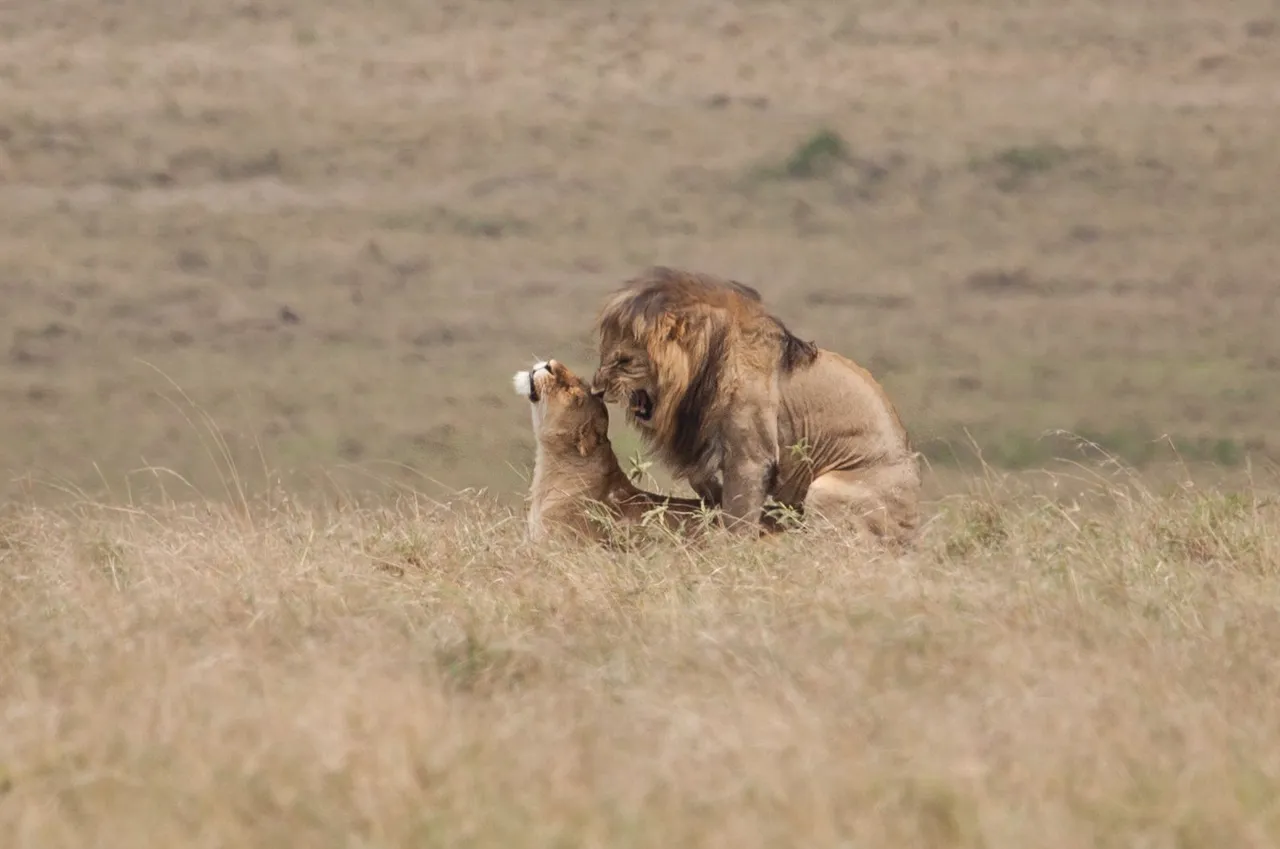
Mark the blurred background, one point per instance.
(328, 233)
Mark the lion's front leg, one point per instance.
(708, 489)
(746, 484)
(750, 471)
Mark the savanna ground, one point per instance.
(324, 235)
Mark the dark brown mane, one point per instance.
(688, 443)
(661, 289)
(636, 311)
(796, 352)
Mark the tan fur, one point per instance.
(736, 395)
(576, 471)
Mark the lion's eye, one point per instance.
(623, 361)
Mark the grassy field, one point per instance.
(1096, 671)
(266, 269)
(340, 227)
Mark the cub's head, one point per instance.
(566, 416)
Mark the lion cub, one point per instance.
(575, 470)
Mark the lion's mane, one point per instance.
(702, 334)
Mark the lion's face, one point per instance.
(626, 376)
(565, 413)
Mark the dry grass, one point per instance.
(338, 227)
(1086, 671)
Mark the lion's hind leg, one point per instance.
(882, 503)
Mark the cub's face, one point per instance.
(566, 416)
(625, 376)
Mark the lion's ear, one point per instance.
(587, 439)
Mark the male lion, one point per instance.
(719, 386)
(575, 469)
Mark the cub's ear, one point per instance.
(587, 439)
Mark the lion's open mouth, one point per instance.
(534, 373)
(641, 405)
